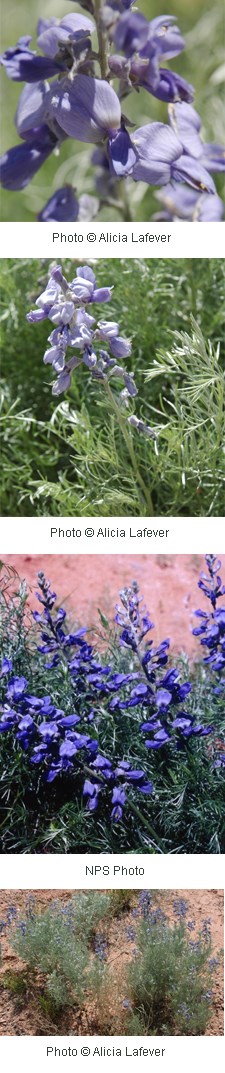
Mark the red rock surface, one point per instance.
(84, 583)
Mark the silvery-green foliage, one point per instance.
(56, 942)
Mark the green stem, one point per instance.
(125, 204)
(134, 808)
(102, 40)
(122, 422)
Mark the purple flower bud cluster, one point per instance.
(65, 305)
(211, 629)
(64, 743)
(69, 93)
(51, 739)
(159, 693)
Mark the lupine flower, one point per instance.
(57, 741)
(211, 628)
(88, 109)
(133, 33)
(65, 305)
(118, 800)
(6, 667)
(144, 44)
(160, 694)
(54, 37)
(186, 124)
(79, 102)
(160, 159)
(20, 164)
(180, 202)
(64, 205)
(23, 65)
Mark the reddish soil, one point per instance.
(22, 1014)
(84, 583)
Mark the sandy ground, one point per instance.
(23, 1015)
(84, 583)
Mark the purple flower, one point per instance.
(211, 629)
(16, 688)
(186, 124)
(6, 667)
(167, 36)
(121, 152)
(170, 87)
(23, 65)
(75, 328)
(84, 288)
(161, 158)
(118, 800)
(9, 719)
(87, 109)
(182, 202)
(55, 34)
(143, 44)
(20, 164)
(48, 731)
(91, 791)
(62, 206)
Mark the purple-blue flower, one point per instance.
(23, 65)
(161, 158)
(6, 667)
(65, 304)
(20, 164)
(118, 800)
(181, 202)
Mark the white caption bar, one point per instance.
(112, 240)
(106, 871)
(168, 1053)
(107, 535)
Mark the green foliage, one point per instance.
(168, 982)
(15, 982)
(120, 901)
(73, 457)
(56, 943)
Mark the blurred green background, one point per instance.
(202, 63)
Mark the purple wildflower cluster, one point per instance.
(212, 623)
(155, 690)
(65, 743)
(65, 305)
(12, 918)
(68, 93)
(55, 740)
(211, 629)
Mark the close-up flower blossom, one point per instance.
(81, 76)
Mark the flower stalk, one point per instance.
(102, 39)
(127, 436)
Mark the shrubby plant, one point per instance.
(76, 87)
(57, 943)
(170, 976)
(167, 980)
(133, 732)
